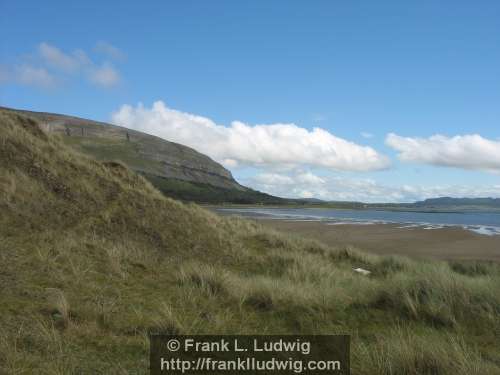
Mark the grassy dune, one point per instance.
(92, 258)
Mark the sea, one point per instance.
(484, 223)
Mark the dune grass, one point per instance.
(93, 258)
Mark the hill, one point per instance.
(176, 170)
(441, 204)
(93, 258)
(459, 202)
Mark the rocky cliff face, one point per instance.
(141, 152)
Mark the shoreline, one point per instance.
(449, 243)
(430, 210)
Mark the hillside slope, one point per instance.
(448, 202)
(177, 170)
(141, 152)
(93, 258)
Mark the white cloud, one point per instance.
(50, 66)
(109, 50)
(27, 75)
(462, 151)
(363, 190)
(105, 75)
(301, 185)
(283, 145)
(310, 179)
(273, 179)
(58, 59)
(34, 76)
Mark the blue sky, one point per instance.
(427, 72)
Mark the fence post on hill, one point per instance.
(128, 136)
(68, 131)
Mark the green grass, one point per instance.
(106, 149)
(93, 258)
(198, 192)
(129, 153)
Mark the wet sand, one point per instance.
(446, 243)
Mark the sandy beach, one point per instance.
(446, 243)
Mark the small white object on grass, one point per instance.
(362, 271)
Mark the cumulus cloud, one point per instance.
(105, 75)
(337, 188)
(471, 152)
(284, 145)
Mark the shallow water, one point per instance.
(485, 223)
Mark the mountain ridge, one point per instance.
(190, 165)
(450, 201)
